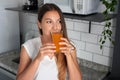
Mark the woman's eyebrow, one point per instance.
(47, 19)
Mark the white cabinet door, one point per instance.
(9, 31)
(9, 26)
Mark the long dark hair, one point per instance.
(61, 59)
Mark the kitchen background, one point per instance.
(15, 25)
(87, 43)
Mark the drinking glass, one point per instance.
(56, 39)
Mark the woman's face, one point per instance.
(50, 22)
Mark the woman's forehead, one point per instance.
(51, 15)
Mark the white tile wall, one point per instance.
(79, 44)
(96, 29)
(32, 18)
(87, 44)
(94, 48)
(107, 51)
(84, 55)
(69, 24)
(89, 37)
(82, 27)
(73, 34)
(101, 59)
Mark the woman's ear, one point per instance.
(40, 28)
(39, 25)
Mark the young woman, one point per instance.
(39, 59)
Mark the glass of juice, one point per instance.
(56, 39)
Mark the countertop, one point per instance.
(6, 62)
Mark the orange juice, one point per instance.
(56, 39)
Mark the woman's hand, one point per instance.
(66, 47)
(47, 49)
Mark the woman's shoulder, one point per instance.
(32, 46)
(33, 41)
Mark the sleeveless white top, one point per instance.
(47, 69)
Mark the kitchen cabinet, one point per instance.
(9, 26)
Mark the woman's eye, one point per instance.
(59, 21)
(48, 21)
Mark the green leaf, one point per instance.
(114, 2)
(110, 39)
(110, 33)
(104, 37)
(103, 42)
(107, 32)
(112, 9)
(100, 39)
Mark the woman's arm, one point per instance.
(27, 67)
(73, 67)
(72, 64)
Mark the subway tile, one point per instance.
(73, 34)
(83, 27)
(107, 51)
(96, 29)
(94, 48)
(76, 20)
(34, 27)
(69, 24)
(32, 18)
(79, 44)
(89, 37)
(84, 55)
(28, 17)
(101, 59)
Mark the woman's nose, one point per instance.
(55, 26)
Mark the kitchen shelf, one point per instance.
(96, 17)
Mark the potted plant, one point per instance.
(107, 32)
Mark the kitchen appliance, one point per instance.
(83, 7)
(31, 5)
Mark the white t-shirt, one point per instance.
(47, 69)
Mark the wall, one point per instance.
(9, 26)
(88, 43)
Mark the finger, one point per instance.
(45, 47)
(48, 51)
(48, 44)
(67, 49)
(64, 39)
